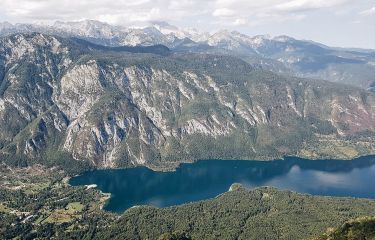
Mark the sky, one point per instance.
(340, 23)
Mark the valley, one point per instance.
(109, 132)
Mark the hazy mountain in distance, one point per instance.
(303, 58)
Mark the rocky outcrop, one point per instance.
(118, 109)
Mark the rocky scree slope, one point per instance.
(60, 97)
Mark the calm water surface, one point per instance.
(207, 179)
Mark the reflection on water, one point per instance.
(207, 179)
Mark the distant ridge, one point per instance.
(281, 54)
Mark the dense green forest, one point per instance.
(264, 213)
(360, 228)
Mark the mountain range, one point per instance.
(80, 96)
(70, 97)
(282, 53)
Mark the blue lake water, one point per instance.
(209, 178)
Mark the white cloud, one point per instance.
(180, 4)
(370, 11)
(128, 11)
(256, 13)
(223, 12)
(306, 5)
(240, 22)
(119, 12)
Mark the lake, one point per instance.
(209, 178)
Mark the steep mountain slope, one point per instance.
(120, 106)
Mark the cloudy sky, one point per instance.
(345, 23)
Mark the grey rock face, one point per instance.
(118, 109)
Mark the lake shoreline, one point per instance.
(205, 179)
(176, 165)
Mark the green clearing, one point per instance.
(74, 207)
(5, 209)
